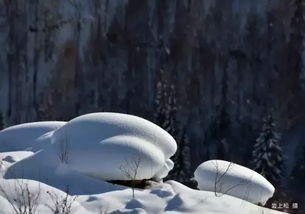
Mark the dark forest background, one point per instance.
(208, 71)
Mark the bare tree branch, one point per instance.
(61, 205)
(130, 170)
(219, 181)
(64, 147)
(22, 200)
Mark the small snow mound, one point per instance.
(224, 177)
(23, 137)
(113, 146)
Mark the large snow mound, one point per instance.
(108, 146)
(114, 146)
(224, 177)
(24, 137)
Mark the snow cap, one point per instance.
(223, 177)
(112, 146)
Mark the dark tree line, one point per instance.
(165, 117)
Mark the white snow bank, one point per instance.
(163, 198)
(24, 136)
(160, 198)
(224, 177)
(113, 146)
(103, 140)
(107, 146)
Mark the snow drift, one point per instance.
(224, 177)
(115, 146)
(25, 137)
(108, 146)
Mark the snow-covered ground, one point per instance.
(39, 165)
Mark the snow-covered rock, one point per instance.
(224, 177)
(108, 146)
(114, 146)
(24, 136)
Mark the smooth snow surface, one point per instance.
(108, 146)
(170, 197)
(123, 137)
(114, 146)
(25, 136)
(222, 177)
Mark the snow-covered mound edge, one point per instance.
(228, 178)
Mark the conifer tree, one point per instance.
(182, 160)
(267, 152)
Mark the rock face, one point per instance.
(230, 63)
